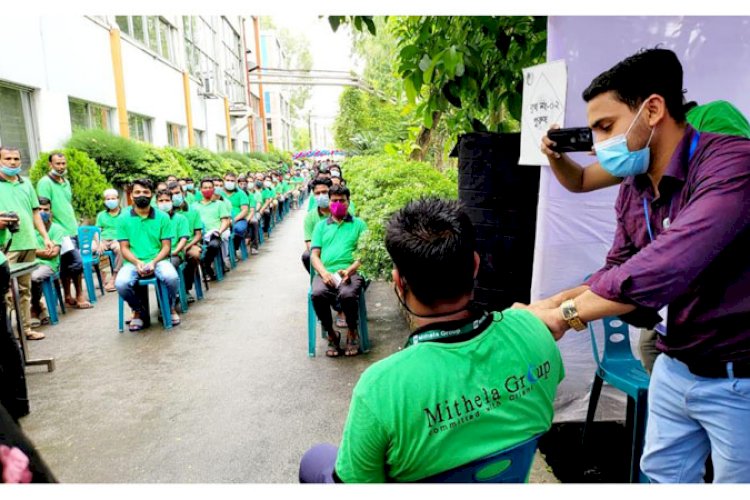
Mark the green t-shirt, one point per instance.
(179, 228)
(212, 213)
(258, 196)
(267, 193)
(194, 220)
(719, 117)
(145, 234)
(338, 242)
(20, 197)
(190, 197)
(435, 406)
(237, 198)
(108, 223)
(56, 233)
(3, 239)
(311, 220)
(61, 197)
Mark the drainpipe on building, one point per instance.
(256, 28)
(188, 108)
(122, 110)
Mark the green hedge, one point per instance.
(86, 181)
(159, 163)
(204, 162)
(382, 184)
(119, 159)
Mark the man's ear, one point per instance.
(397, 279)
(656, 109)
(477, 263)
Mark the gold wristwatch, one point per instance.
(570, 314)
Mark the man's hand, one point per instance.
(145, 269)
(4, 221)
(551, 317)
(328, 280)
(345, 275)
(548, 144)
(48, 244)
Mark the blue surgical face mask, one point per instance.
(615, 157)
(189, 187)
(46, 216)
(10, 171)
(111, 204)
(230, 185)
(323, 201)
(177, 199)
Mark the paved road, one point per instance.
(228, 396)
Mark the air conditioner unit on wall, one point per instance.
(208, 85)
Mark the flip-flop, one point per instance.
(352, 347)
(83, 305)
(175, 320)
(341, 323)
(334, 351)
(71, 301)
(136, 324)
(32, 335)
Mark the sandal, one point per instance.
(32, 335)
(136, 324)
(83, 305)
(341, 322)
(352, 346)
(334, 351)
(175, 319)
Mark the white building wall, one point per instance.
(70, 56)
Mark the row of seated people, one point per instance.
(170, 225)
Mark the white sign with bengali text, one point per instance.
(544, 90)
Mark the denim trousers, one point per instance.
(688, 416)
(128, 276)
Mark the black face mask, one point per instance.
(141, 201)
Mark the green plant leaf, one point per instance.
(370, 25)
(334, 21)
(425, 63)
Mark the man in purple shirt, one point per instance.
(682, 241)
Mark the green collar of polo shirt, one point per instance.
(348, 218)
(151, 213)
(54, 179)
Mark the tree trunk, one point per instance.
(424, 138)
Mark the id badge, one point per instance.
(661, 328)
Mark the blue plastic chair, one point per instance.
(52, 292)
(243, 250)
(198, 283)
(86, 235)
(111, 256)
(312, 323)
(162, 296)
(620, 369)
(508, 466)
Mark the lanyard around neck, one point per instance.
(438, 334)
(693, 147)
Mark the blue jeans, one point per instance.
(240, 231)
(128, 276)
(688, 416)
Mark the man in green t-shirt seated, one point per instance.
(333, 248)
(145, 236)
(107, 221)
(322, 212)
(215, 216)
(48, 260)
(468, 384)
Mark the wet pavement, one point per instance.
(229, 395)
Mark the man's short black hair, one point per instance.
(230, 174)
(340, 190)
(651, 71)
(172, 185)
(10, 148)
(187, 179)
(45, 201)
(321, 182)
(146, 183)
(52, 155)
(210, 180)
(432, 244)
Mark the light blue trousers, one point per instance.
(128, 275)
(688, 416)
